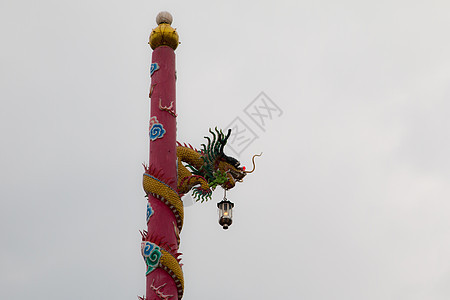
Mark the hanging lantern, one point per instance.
(225, 212)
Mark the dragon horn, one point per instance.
(253, 161)
(223, 141)
(216, 149)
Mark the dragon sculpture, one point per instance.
(200, 171)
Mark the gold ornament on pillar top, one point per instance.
(164, 34)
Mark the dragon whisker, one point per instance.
(253, 162)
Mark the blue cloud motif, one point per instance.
(147, 249)
(152, 255)
(157, 131)
(153, 68)
(149, 211)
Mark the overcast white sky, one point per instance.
(349, 201)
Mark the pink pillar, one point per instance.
(163, 157)
(164, 277)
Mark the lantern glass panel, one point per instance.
(221, 210)
(225, 210)
(229, 211)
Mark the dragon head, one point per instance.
(220, 168)
(230, 167)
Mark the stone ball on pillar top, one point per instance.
(164, 17)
